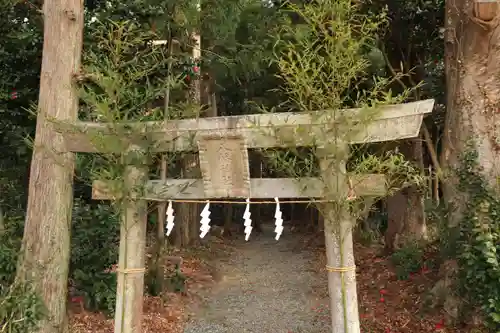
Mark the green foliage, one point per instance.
(407, 260)
(20, 309)
(174, 281)
(20, 51)
(440, 231)
(322, 58)
(478, 243)
(399, 172)
(177, 281)
(322, 61)
(122, 75)
(240, 62)
(124, 79)
(474, 240)
(94, 250)
(367, 237)
(8, 261)
(415, 42)
(10, 243)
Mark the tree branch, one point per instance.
(427, 136)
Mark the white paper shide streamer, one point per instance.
(279, 221)
(248, 221)
(170, 218)
(205, 220)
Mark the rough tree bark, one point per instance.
(160, 245)
(255, 159)
(188, 213)
(473, 100)
(405, 209)
(473, 92)
(46, 243)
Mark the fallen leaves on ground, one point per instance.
(386, 304)
(158, 317)
(161, 314)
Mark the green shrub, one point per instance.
(478, 243)
(473, 241)
(94, 249)
(10, 243)
(8, 261)
(407, 260)
(20, 309)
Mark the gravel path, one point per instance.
(266, 288)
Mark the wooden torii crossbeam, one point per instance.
(222, 143)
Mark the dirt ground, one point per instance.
(387, 305)
(166, 314)
(266, 287)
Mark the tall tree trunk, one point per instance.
(473, 99)
(188, 212)
(473, 93)
(405, 209)
(255, 158)
(46, 242)
(162, 206)
(417, 227)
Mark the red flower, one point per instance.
(439, 326)
(196, 69)
(383, 292)
(76, 299)
(382, 300)
(14, 95)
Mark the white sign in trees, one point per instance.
(222, 143)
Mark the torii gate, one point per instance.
(222, 143)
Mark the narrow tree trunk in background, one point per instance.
(189, 212)
(415, 228)
(162, 206)
(46, 242)
(405, 209)
(255, 160)
(177, 232)
(176, 235)
(396, 216)
(228, 219)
